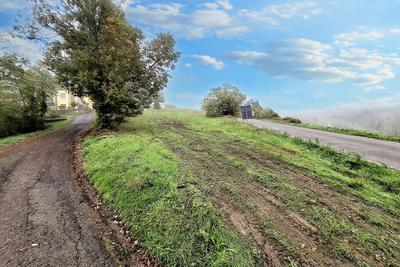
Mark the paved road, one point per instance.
(44, 221)
(384, 152)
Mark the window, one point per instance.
(63, 95)
(62, 106)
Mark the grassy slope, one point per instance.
(161, 170)
(141, 180)
(11, 140)
(355, 132)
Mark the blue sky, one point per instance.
(290, 55)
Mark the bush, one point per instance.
(267, 113)
(11, 121)
(262, 113)
(223, 101)
(24, 93)
(292, 120)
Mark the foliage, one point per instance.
(223, 100)
(99, 54)
(262, 113)
(24, 93)
(292, 120)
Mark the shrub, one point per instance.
(262, 113)
(268, 113)
(24, 93)
(292, 120)
(11, 121)
(223, 101)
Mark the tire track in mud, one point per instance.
(247, 228)
(216, 171)
(381, 255)
(336, 201)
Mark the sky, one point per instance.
(292, 56)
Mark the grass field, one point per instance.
(11, 140)
(198, 191)
(355, 132)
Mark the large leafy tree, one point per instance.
(99, 54)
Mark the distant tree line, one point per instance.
(24, 94)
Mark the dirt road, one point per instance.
(44, 221)
(384, 152)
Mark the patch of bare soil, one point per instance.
(44, 221)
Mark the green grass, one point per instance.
(347, 131)
(142, 181)
(160, 170)
(11, 140)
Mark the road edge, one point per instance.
(33, 138)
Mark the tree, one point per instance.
(100, 55)
(223, 100)
(24, 93)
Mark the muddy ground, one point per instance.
(50, 215)
(293, 217)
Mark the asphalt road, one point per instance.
(44, 221)
(384, 152)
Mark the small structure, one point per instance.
(246, 112)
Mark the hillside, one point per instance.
(201, 191)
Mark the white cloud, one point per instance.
(224, 4)
(14, 4)
(304, 9)
(161, 15)
(208, 60)
(212, 18)
(343, 43)
(272, 13)
(311, 60)
(217, 17)
(244, 57)
(231, 31)
(188, 65)
(22, 47)
(360, 36)
(258, 17)
(374, 88)
(348, 39)
(395, 31)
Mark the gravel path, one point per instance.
(44, 221)
(384, 152)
